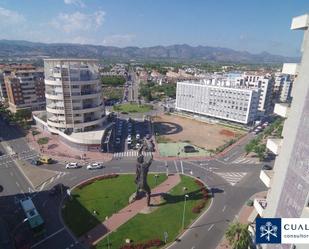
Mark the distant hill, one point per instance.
(13, 49)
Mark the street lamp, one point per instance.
(108, 245)
(184, 210)
(156, 178)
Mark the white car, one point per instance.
(95, 166)
(72, 166)
(138, 136)
(129, 137)
(117, 140)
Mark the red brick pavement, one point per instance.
(127, 213)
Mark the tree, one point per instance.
(238, 236)
(23, 114)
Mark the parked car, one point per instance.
(137, 136)
(189, 149)
(267, 167)
(95, 166)
(36, 162)
(137, 146)
(46, 160)
(72, 166)
(148, 136)
(117, 140)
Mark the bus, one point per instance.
(34, 219)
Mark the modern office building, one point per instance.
(218, 101)
(288, 182)
(24, 86)
(73, 95)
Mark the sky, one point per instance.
(247, 25)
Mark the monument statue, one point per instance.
(142, 168)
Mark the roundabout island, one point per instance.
(101, 214)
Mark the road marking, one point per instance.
(210, 227)
(17, 184)
(175, 163)
(181, 165)
(48, 237)
(223, 208)
(51, 180)
(43, 185)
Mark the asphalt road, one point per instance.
(231, 184)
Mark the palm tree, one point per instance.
(238, 236)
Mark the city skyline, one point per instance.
(236, 25)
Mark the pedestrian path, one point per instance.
(245, 160)
(127, 213)
(232, 177)
(130, 153)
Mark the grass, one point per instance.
(105, 197)
(167, 218)
(43, 140)
(132, 108)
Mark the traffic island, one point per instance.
(99, 212)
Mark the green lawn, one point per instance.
(131, 108)
(105, 197)
(167, 218)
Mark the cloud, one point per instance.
(9, 17)
(78, 21)
(79, 3)
(118, 40)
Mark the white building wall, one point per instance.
(234, 104)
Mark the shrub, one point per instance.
(43, 140)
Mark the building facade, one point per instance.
(25, 88)
(288, 182)
(73, 94)
(3, 93)
(223, 102)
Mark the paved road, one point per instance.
(231, 184)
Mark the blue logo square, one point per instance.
(268, 231)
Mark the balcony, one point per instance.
(87, 92)
(274, 145)
(260, 204)
(290, 68)
(300, 22)
(282, 109)
(266, 176)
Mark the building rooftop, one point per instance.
(71, 59)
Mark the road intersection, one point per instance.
(231, 184)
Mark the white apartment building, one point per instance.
(219, 101)
(73, 95)
(288, 181)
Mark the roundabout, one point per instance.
(98, 211)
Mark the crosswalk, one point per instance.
(51, 180)
(232, 177)
(129, 153)
(25, 155)
(245, 160)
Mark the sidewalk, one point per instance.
(127, 213)
(60, 151)
(242, 217)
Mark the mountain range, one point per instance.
(175, 53)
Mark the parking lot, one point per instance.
(129, 134)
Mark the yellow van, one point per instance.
(46, 160)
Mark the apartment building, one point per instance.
(288, 182)
(219, 101)
(24, 86)
(3, 93)
(73, 93)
